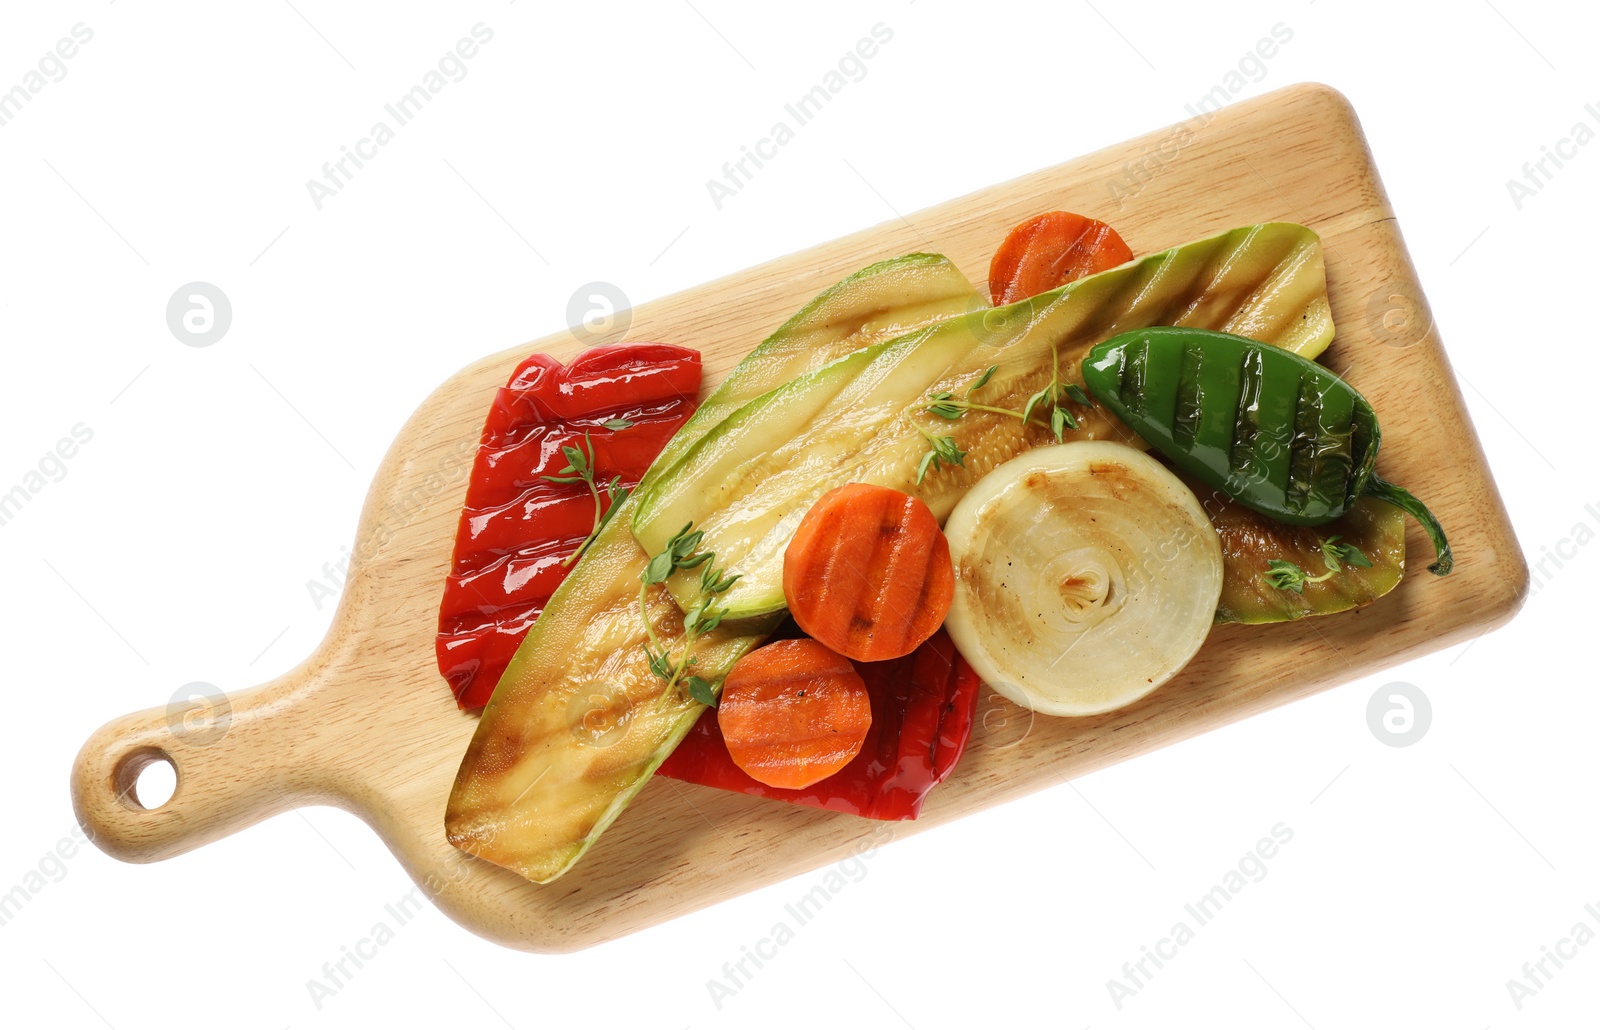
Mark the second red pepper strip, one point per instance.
(922, 713)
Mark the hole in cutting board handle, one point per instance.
(145, 779)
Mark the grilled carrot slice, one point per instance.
(868, 572)
(1051, 250)
(793, 713)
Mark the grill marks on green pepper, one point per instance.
(1246, 456)
(1135, 376)
(1190, 400)
(1321, 452)
(1281, 435)
(1303, 448)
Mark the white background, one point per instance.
(220, 479)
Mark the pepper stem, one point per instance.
(1384, 490)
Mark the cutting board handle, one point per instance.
(238, 759)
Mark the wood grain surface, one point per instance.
(366, 723)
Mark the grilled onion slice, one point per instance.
(1087, 575)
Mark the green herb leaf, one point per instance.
(577, 461)
(922, 466)
(983, 380)
(659, 569)
(1058, 422)
(948, 411)
(1285, 575)
(1034, 401)
(947, 450)
(617, 497)
(1333, 553)
(683, 545)
(580, 469)
(617, 423)
(694, 561)
(702, 617)
(660, 665)
(1075, 393)
(701, 691)
(1352, 556)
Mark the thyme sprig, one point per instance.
(946, 405)
(580, 469)
(681, 553)
(941, 450)
(1286, 575)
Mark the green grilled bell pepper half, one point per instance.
(1281, 435)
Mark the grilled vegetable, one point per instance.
(1087, 575)
(1251, 542)
(1050, 250)
(869, 418)
(879, 302)
(922, 713)
(579, 721)
(1282, 435)
(868, 572)
(793, 712)
(608, 414)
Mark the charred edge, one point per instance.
(1335, 461)
(1134, 375)
(1247, 419)
(1363, 442)
(1186, 418)
(1304, 445)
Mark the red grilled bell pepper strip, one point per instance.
(922, 712)
(518, 527)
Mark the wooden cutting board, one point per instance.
(366, 723)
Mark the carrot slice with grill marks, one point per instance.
(868, 572)
(793, 713)
(1051, 250)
